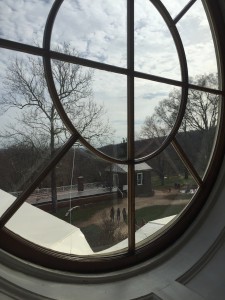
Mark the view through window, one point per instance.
(109, 117)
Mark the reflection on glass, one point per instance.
(110, 92)
(95, 102)
(155, 51)
(198, 43)
(163, 189)
(96, 29)
(17, 20)
(31, 130)
(156, 108)
(80, 204)
(198, 130)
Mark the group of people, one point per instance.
(117, 213)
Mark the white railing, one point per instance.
(45, 192)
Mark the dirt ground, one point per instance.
(140, 202)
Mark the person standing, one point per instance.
(112, 213)
(124, 215)
(118, 214)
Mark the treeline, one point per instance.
(20, 164)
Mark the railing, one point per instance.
(42, 192)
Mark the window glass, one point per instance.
(156, 108)
(167, 189)
(31, 129)
(97, 29)
(24, 21)
(198, 43)
(96, 103)
(124, 150)
(139, 178)
(81, 205)
(199, 128)
(155, 51)
(110, 92)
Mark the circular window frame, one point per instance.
(22, 248)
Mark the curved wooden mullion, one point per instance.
(184, 11)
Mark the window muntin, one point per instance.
(130, 141)
(175, 7)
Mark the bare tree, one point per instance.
(200, 116)
(39, 124)
(201, 110)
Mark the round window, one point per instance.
(111, 128)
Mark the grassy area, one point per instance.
(170, 181)
(94, 232)
(157, 212)
(180, 196)
(84, 212)
(147, 213)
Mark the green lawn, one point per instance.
(84, 212)
(170, 181)
(157, 212)
(93, 232)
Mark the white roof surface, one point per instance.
(142, 233)
(119, 168)
(44, 229)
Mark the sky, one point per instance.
(97, 30)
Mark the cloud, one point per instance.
(197, 40)
(150, 96)
(97, 29)
(23, 21)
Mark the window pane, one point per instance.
(80, 206)
(24, 21)
(156, 108)
(155, 51)
(31, 130)
(199, 128)
(167, 188)
(95, 102)
(198, 43)
(97, 29)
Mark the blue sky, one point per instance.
(97, 30)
